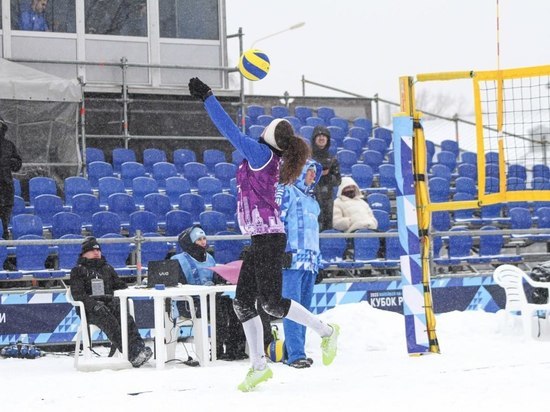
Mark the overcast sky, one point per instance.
(364, 46)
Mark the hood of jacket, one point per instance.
(348, 181)
(316, 151)
(301, 181)
(188, 246)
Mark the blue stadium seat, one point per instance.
(441, 170)
(192, 203)
(341, 123)
(152, 156)
(253, 111)
(469, 157)
(332, 249)
(97, 170)
(364, 123)
(141, 186)
(193, 171)
(41, 185)
(379, 145)
(448, 159)
(212, 156)
(212, 222)
(159, 204)
(519, 171)
(107, 186)
(74, 185)
(383, 219)
(430, 152)
(143, 220)
(68, 254)
(465, 215)
(346, 159)
(236, 157)
(176, 186)
(129, 171)
(491, 157)
(337, 135)
(264, 120)
(16, 186)
(379, 201)
(302, 113)
(182, 156)
(94, 154)
(225, 172)
(490, 248)
(31, 259)
(26, 224)
(117, 254)
(233, 187)
(315, 121)
(467, 170)
(366, 248)
(122, 155)
(306, 132)
(372, 158)
(279, 112)
(466, 185)
(362, 174)
(227, 251)
(104, 222)
(326, 113)
(153, 250)
(439, 189)
(359, 133)
(177, 221)
(450, 146)
(385, 134)
(85, 205)
(541, 170)
(45, 207)
(162, 171)
(255, 131)
(459, 248)
(123, 205)
(207, 187)
(295, 122)
(225, 203)
(386, 176)
(353, 144)
(66, 223)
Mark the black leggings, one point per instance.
(261, 278)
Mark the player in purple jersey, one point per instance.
(278, 157)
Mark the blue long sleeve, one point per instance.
(256, 153)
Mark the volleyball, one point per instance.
(276, 350)
(254, 64)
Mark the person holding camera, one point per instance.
(330, 176)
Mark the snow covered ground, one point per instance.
(483, 366)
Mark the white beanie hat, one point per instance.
(196, 234)
(269, 133)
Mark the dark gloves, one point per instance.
(101, 309)
(199, 89)
(287, 260)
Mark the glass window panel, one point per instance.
(189, 19)
(43, 15)
(116, 17)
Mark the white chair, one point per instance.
(511, 279)
(84, 334)
(172, 333)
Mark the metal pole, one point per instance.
(377, 105)
(138, 240)
(455, 119)
(124, 67)
(83, 128)
(303, 86)
(241, 78)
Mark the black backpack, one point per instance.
(540, 273)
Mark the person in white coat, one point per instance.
(351, 212)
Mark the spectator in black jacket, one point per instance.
(10, 162)
(93, 282)
(330, 177)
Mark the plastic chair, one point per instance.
(315, 121)
(511, 279)
(212, 222)
(264, 120)
(379, 201)
(16, 186)
(212, 156)
(332, 249)
(255, 131)
(225, 203)
(346, 159)
(440, 170)
(366, 248)
(467, 170)
(541, 170)
(68, 254)
(142, 186)
(97, 170)
(143, 220)
(518, 171)
(450, 146)
(359, 133)
(225, 172)
(45, 207)
(236, 157)
(162, 171)
(279, 112)
(121, 155)
(117, 254)
(228, 250)
(176, 186)
(66, 223)
(74, 185)
(302, 113)
(107, 186)
(105, 222)
(159, 204)
(183, 156)
(177, 221)
(379, 145)
(383, 219)
(353, 144)
(31, 259)
(153, 250)
(192, 203)
(364, 123)
(129, 171)
(459, 248)
(93, 154)
(386, 176)
(448, 159)
(253, 111)
(41, 185)
(343, 124)
(123, 205)
(384, 134)
(295, 122)
(469, 158)
(326, 113)
(362, 174)
(193, 171)
(372, 158)
(466, 185)
(491, 157)
(337, 136)
(85, 205)
(439, 189)
(26, 224)
(207, 187)
(152, 156)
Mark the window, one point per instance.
(189, 19)
(43, 15)
(116, 17)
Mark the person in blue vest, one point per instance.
(195, 262)
(34, 17)
(299, 212)
(278, 157)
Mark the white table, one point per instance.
(159, 297)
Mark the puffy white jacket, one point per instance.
(352, 214)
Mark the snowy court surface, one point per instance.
(483, 366)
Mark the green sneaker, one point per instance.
(254, 377)
(328, 345)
